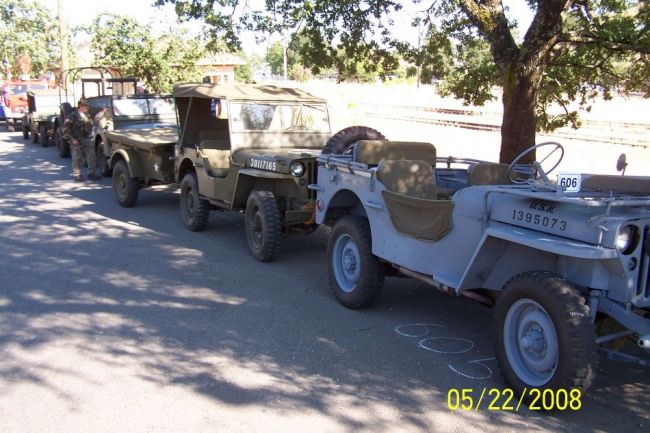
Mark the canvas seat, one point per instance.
(488, 173)
(373, 152)
(215, 149)
(411, 198)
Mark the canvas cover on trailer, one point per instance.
(144, 139)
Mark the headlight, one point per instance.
(624, 239)
(297, 169)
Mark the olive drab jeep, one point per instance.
(86, 82)
(565, 262)
(251, 148)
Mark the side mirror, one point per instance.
(621, 164)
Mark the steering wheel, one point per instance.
(534, 170)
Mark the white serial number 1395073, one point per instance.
(569, 182)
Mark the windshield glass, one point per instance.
(143, 106)
(278, 117)
(161, 106)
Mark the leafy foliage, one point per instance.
(573, 51)
(121, 41)
(28, 28)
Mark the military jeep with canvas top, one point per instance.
(251, 148)
(566, 262)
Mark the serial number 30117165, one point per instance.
(539, 219)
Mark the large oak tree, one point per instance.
(573, 50)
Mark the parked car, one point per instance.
(42, 112)
(13, 100)
(566, 262)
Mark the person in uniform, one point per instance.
(76, 131)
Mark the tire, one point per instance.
(10, 125)
(62, 146)
(545, 310)
(263, 225)
(102, 160)
(194, 209)
(34, 137)
(42, 135)
(25, 133)
(356, 276)
(125, 187)
(341, 141)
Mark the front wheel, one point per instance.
(545, 338)
(62, 146)
(356, 276)
(125, 187)
(102, 161)
(263, 225)
(42, 135)
(194, 209)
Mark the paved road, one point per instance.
(121, 320)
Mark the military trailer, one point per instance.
(250, 148)
(566, 263)
(140, 158)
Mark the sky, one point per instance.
(82, 12)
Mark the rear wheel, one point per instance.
(263, 225)
(342, 140)
(42, 135)
(356, 275)
(194, 209)
(125, 187)
(25, 132)
(545, 338)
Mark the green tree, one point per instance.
(158, 62)
(26, 27)
(573, 49)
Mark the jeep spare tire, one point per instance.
(342, 140)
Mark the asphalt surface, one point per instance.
(121, 320)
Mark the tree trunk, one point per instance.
(519, 119)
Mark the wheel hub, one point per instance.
(531, 342)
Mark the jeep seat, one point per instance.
(407, 177)
(215, 149)
(372, 152)
(411, 198)
(488, 173)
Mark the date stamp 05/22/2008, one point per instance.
(507, 400)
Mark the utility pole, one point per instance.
(63, 39)
(284, 54)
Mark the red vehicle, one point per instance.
(13, 100)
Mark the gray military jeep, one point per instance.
(566, 262)
(251, 148)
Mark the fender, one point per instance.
(542, 242)
(132, 161)
(246, 179)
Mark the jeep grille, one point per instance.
(643, 281)
(312, 172)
